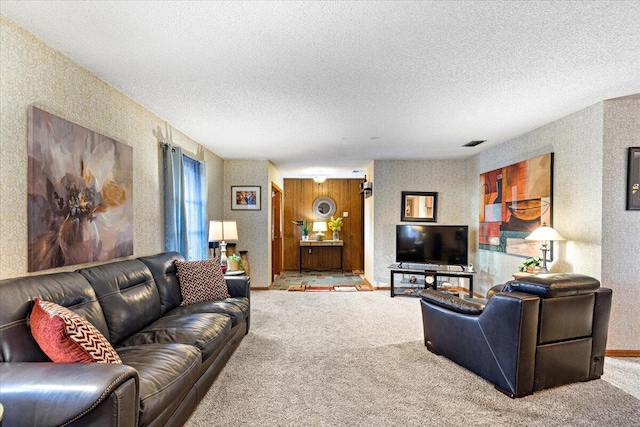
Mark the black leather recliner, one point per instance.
(529, 334)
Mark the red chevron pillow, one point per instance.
(67, 337)
(201, 281)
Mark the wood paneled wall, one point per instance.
(299, 195)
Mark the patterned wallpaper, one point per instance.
(34, 73)
(589, 173)
(576, 141)
(620, 227)
(390, 179)
(253, 226)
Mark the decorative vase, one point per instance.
(245, 261)
(233, 265)
(336, 235)
(305, 238)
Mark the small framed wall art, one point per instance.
(419, 206)
(633, 180)
(246, 198)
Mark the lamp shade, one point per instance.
(544, 233)
(223, 231)
(320, 226)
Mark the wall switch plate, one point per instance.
(345, 214)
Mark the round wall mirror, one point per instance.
(324, 207)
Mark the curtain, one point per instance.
(195, 199)
(175, 227)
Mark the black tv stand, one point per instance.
(420, 272)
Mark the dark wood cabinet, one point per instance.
(324, 255)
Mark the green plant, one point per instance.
(335, 224)
(237, 259)
(305, 228)
(532, 263)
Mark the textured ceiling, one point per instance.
(326, 87)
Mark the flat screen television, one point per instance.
(433, 244)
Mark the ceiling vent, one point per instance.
(474, 143)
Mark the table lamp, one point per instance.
(223, 231)
(320, 227)
(545, 235)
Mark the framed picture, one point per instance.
(79, 194)
(419, 206)
(633, 180)
(514, 201)
(245, 198)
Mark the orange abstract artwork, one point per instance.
(514, 201)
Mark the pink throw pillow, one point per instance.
(67, 337)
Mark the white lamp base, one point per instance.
(223, 253)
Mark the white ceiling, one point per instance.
(326, 87)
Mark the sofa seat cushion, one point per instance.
(236, 308)
(167, 373)
(206, 331)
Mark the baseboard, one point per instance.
(261, 288)
(622, 353)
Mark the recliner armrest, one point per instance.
(452, 303)
(499, 344)
(53, 394)
(554, 285)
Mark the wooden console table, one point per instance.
(310, 244)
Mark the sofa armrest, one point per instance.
(53, 394)
(238, 286)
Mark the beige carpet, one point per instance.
(358, 359)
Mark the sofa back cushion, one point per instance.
(128, 296)
(70, 290)
(163, 270)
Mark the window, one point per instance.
(195, 205)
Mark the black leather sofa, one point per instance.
(529, 334)
(171, 354)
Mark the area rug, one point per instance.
(287, 279)
(318, 288)
(345, 289)
(364, 287)
(358, 359)
(310, 288)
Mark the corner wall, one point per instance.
(368, 223)
(390, 179)
(254, 227)
(576, 142)
(620, 227)
(34, 73)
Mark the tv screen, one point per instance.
(433, 244)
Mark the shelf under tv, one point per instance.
(424, 270)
